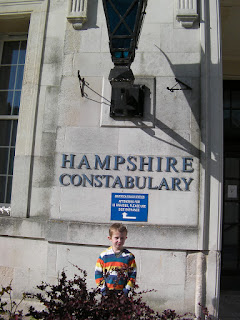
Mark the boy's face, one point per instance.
(118, 240)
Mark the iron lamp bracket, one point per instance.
(186, 87)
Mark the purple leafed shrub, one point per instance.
(10, 310)
(70, 299)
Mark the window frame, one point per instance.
(36, 11)
(4, 39)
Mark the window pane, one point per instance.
(14, 132)
(231, 167)
(231, 212)
(7, 77)
(3, 160)
(22, 54)
(236, 99)
(5, 132)
(226, 99)
(230, 257)
(10, 52)
(2, 189)
(227, 119)
(16, 104)
(231, 235)
(6, 98)
(9, 189)
(11, 161)
(19, 77)
(236, 118)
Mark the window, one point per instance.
(231, 104)
(12, 58)
(230, 277)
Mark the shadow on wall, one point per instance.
(91, 22)
(182, 72)
(182, 143)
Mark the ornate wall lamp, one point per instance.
(124, 21)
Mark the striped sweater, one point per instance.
(106, 274)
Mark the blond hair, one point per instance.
(117, 227)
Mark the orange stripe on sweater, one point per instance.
(112, 286)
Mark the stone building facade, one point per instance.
(75, 167)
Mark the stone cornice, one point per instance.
(77, 13)
(186, 12)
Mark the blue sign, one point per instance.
(129, 207)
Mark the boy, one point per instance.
(116, 257)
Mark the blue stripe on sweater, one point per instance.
(112, 257)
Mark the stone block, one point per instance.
(57, 231)
(19, 227)
(159, 12)
(190, 283)
(184, 204)
(6, 275)
(21, 178)
(75, 110)
(50, 118)
(54, 211)
(163, 64)
(57, 22)
(90, 40)
(158, 268)
(81, 256)
(154, 141)
(79, 139)
(149, 37)
(61, 131)
(23, 253)
(43, 171)
(51, 74)
(51, 260)
(26, 280)
(68, 65)
(94, 64)
(104, 38)
(53, 53)
(79, 204)
(172, 237)
(26, 122)
(40, 202)
(173, 108)
(179, 40)
(71, 40)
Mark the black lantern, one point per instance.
(124, 21)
